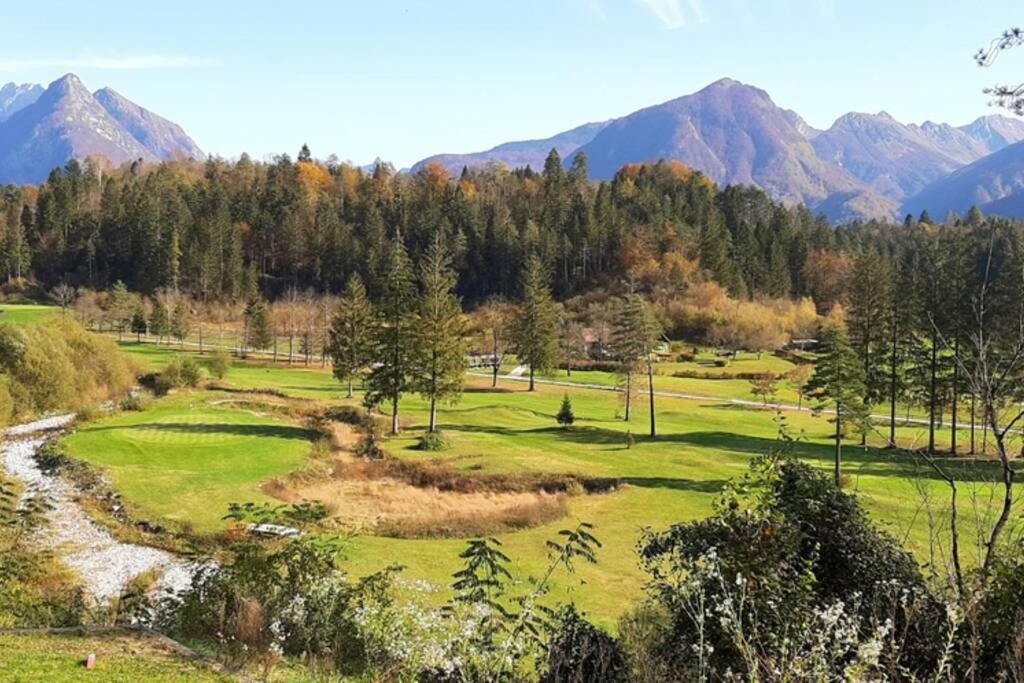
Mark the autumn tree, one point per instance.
(494, 323)
(536, 324)
(439, 364)
(351, 335)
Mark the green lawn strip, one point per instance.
(185, 459)
(26, 314)
(120, 658)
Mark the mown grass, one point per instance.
(186, 458)
(26, 314)
(701, 445)
(120, 658)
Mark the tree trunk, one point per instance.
(495, 369)
(291, 343)
(350, 392)
(532, 385)
(972, 424)
(394, 416)
(629, 392)
(650, 393)
(433, 416)
(956, 392)
(839, 448)
(931, 395)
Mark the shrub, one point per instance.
(786, 552)
(579, 651)
(432, 441)
(565, 416)
(134, 402)
(219, 363)
(182, 371)
(722, 362)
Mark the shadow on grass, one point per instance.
(710, 486)
(858, 460)
(254, 431)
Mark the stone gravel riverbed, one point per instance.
(104, 564)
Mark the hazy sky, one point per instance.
(405, 79)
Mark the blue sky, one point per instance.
(405, 79)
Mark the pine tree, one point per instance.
(633, 344)
(138, 324)
(159, 320)
(178, 325)
(838, 382)
(394, 333)
(536, 326)
(565, 416)
(868, 319)
(351, 335)
(119, 305)
(439, 365)
(259, 331)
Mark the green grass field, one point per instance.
(191, 470)
(120, 658)
(24, 314)
(187, 457)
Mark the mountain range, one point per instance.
(863, 166)
(41, 129)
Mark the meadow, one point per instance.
(186, 457)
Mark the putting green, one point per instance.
(187, 457)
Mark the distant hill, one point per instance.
(991, 183)
(66, 121)
(733, 133)
(518, 154)
(898, 160)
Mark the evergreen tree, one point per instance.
(536, 326)
(395, 342)
(259, 330)
(351, 335)
(305, 156)
(138, 324)
(439, 365)
(867, 321)
(179, 324)
(120, 307)
(565, 416)
(838, 383)
(633, 344)
(159, 320)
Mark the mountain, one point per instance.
(991, 183)
(66, 122)
(518, 154)
(891, 158)
(163, 138)
(733, 133)
(14, 97)
(898, 160)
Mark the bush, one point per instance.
(579, 651)
(787, 552)
(182, 371)
(432, 441)
(219, 363)
(134, 402)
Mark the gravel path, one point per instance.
(104, 564)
